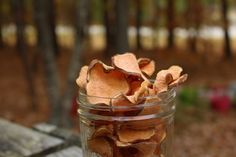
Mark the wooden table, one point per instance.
(43, 140)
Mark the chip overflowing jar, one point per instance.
(122, 112)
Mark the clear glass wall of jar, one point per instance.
(142, 130)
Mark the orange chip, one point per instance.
(151, 92)
(130, 135)
(175, 71)
(121, 100)
(100, 146)
(103, 131)
(140, 149)
(147, 66)
(143, 124)
(140, 92)
(127, 63)
(104, 82)
(81, 80)
(179, 81)
(146, 149)
(159, 136)
(163, 78)
(122, 144)
(134, 86)
(153, 102)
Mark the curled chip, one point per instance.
(152, 102)
(159, 136)
(146, 65)
(175, 71)
(81, 80)
(140, 149)
(103, 131)
(122, 144)
(134, 86)
(162, 81)
(104, 83)
(129, 135)
(139, 93)
(101, 146)
(146, 124)
(127, 63)
(121, 100)
(179, 81)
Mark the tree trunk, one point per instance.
(52, 24)
(1, 35)
(170, 22)
(193, 17)
(122, 44)
(109, 23)
(41, 8)
(1, 24)
(18, 12)
(227, 47)
(138, 23)
(75, 62)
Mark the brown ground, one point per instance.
(214, 137)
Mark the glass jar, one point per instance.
(142, 130)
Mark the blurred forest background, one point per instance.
(43, 44)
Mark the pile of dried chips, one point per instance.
(126, 83)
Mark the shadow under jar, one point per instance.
(144, 129)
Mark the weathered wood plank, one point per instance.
(70, 137)
(18, 141)
(72, 151)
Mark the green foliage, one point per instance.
(190, 107)
(161, 3)
(209, 2)
(97, 11)
(188, 96)
(147, 10)
(181, 6)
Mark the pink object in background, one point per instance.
(220, 103)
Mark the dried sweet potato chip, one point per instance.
(122, 144)
(139, 93)
(134, 86)
(146, 65)
(104, 83)
(155, 109)
(146, 149)
(127, 63)
(130, 135)
(103, 131)
(169, 78)
(121, 100)
(163, 78)
(140, 149)
(143, 124)
(159, 136)
(101, 146)
(179, 81)
(81, 80)
(143, 62)
(175, 71)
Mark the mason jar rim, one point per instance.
(168, 97)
